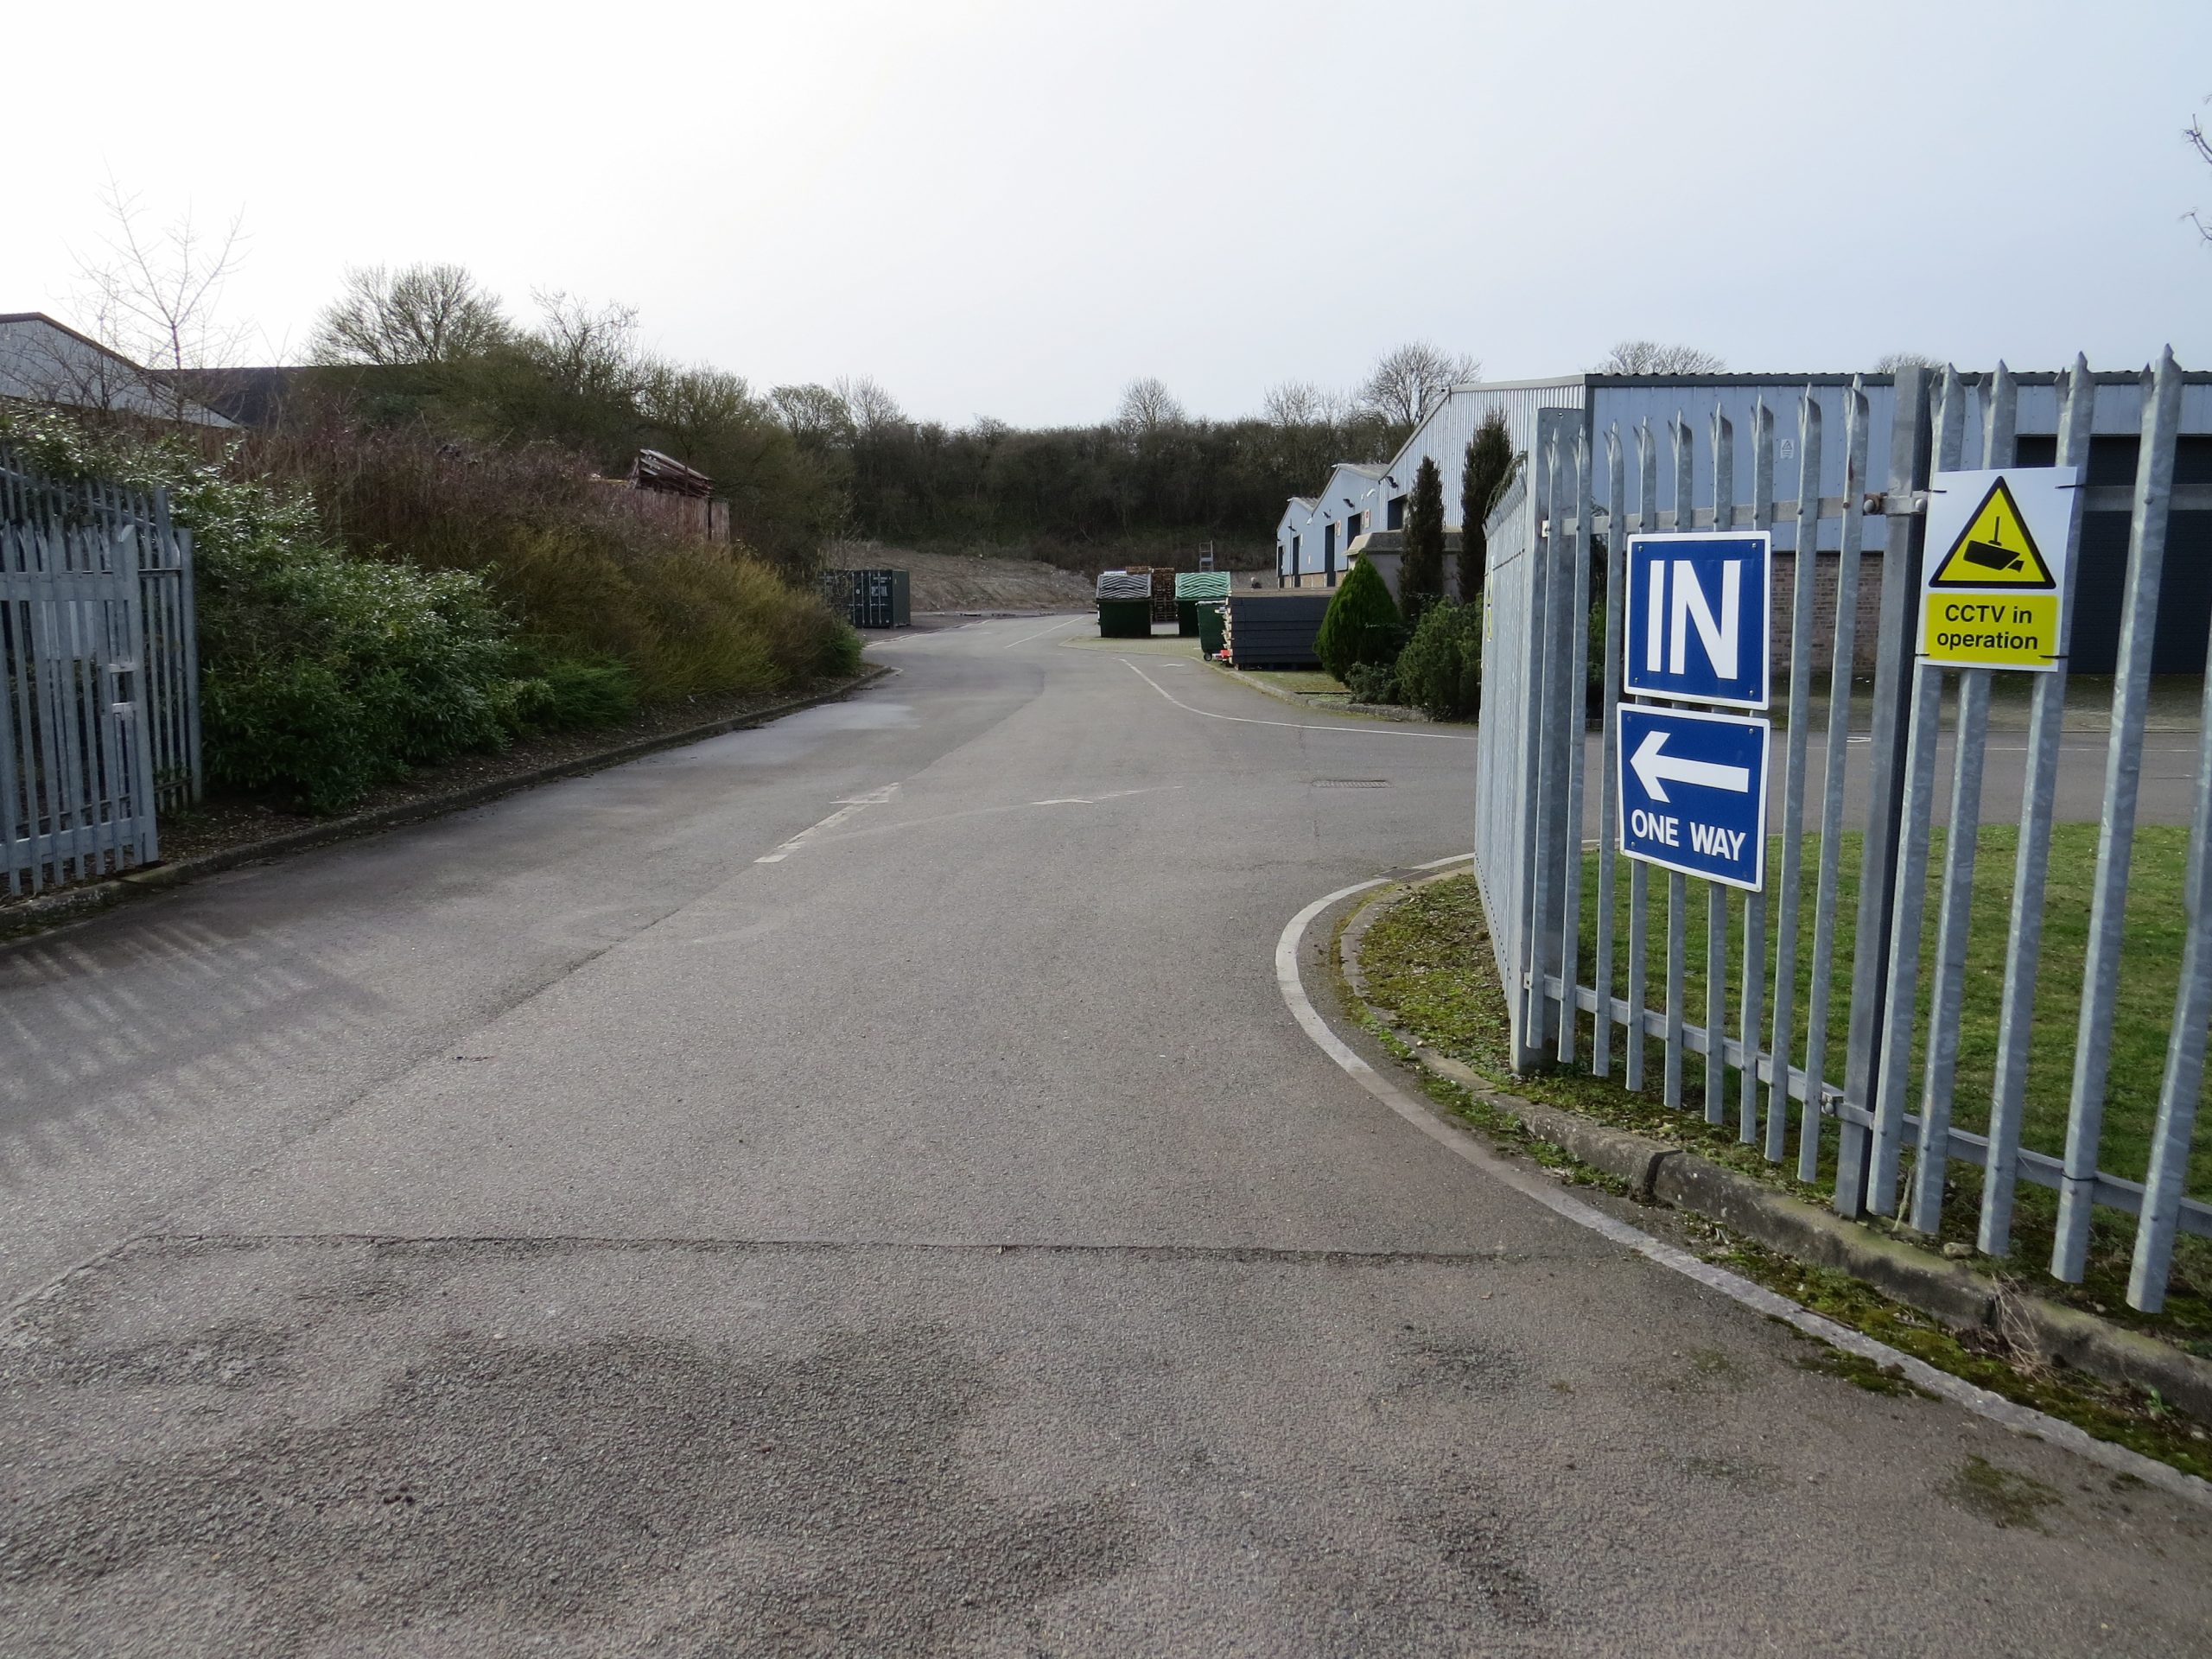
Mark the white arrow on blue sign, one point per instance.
(1693, 792)
(1698, 617)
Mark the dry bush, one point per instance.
(580, 571)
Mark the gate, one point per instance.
(76, 772)
(1858, 1057)
(136, 529)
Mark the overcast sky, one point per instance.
(1012, 209)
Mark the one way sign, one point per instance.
(1693, 792)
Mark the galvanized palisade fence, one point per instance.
(1533, 824)
(99, 681)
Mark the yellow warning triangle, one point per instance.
(1994, 549)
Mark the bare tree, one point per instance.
(1295, 402)
(1890, 362)
(1146, 406)
(871, 409)
(588, 351)
(1649, 356)
(420, 313)
(154, 296)
(1399, 385)
(2195, 136)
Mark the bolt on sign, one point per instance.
(1993, 593)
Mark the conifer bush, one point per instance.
(1363, 623)
(1489, 464)
(1420, 573)
(1440, 671)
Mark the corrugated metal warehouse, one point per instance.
(1622, 401)
(1291, 531)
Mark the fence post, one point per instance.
(2008, 1090)
(2146, 550)
(1639, 872)
(1601, 1038)
(1716, 894)
(1961, 841)
(1552, 607)
(1574, 704)
(1900, 998)
(1843, 662)
(2177, 1125)
(1678, 885)
(1529, 631)
(1753, 994)
(1804, 572)
(1910, 454)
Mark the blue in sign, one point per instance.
(1698, 617)
(1693, 792)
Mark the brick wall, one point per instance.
(1824, 575)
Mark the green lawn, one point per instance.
(1431, 961)
(1306, 682)
(2150, 974)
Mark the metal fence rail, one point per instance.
(135, 527)
(1558, 539)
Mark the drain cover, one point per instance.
(1352, 783)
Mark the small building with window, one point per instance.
(1291, 531)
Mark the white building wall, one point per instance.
(1293, 532)
(1444, 433)
(1351, 491)
(42, 362)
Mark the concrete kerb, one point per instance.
(1661, 1172)
(21, 924)
(1367, 710)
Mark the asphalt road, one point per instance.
(642, 1217)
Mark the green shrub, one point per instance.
(1372, 681)
(1484, 474)
(330, 665)
(322, 675)
(1420, 573)
(1363, 625)
(563, 693)
(1440, 671)
(575, 560)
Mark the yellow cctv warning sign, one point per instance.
(1995, 549)
(1994, 595)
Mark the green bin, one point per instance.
(1125, 619)
(1210, 628)
(1186, 619)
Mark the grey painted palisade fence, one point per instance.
(1861, 1110)
(100, 679)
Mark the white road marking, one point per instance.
(1292, 725)
(2021, 1419)
(845, 809)
(1069, 623)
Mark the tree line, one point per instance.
(806, 462)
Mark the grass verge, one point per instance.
(1428, 966)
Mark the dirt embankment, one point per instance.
(955, 582)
